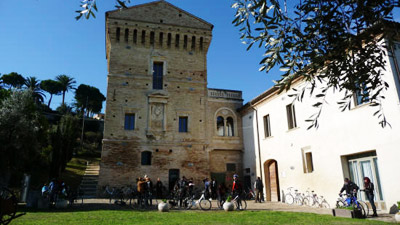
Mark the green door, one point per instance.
(219, 177)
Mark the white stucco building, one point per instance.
(280, 149)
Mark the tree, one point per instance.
(330, 45)
(67, 84)
(52, 87)
(32, 83)
(87, 8)
(89, 98)
(20, 130)
(13, 80)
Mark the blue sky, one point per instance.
(42, 38)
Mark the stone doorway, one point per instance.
(272, 180)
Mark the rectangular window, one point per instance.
(231, 167)
(201, 44)
(183, 124)
(291, 116)
(158, 68)
(146, 158)
(193, 43)
(267, 126)
(129, 121)
(361, 95)
(308, 166)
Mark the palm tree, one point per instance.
(32, 83)
(52, 87)
(67, 84)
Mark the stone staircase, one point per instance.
(89, 181)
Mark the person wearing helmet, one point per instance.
(237, 190)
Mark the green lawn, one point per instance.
(115, 217)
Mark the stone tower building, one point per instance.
(161, 119)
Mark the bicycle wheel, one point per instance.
(340, 204)
(361, 207)
(289, 199)
(324, 204)
(205, 204)
(220, 203)
(306, 202)
(366, 207)
(298, 200)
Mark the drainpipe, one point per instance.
(258, 143)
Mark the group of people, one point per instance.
(351, 189)
(54, 190)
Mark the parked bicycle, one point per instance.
(296, 197)
(202, 202)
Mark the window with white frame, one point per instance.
(291, 116)
(267, 126)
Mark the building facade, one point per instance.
(161, 119)
(349, 144)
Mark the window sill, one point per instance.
(269, 137)
(360, 106)
(294, 128)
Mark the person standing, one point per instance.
(182, 191)
(213, 188)
(237, 190)
(369, 192)
(159, 187)
(141, 190)
(258, 189)
(350, 187)
(191, 187)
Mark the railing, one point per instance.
(220, 93)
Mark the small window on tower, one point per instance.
(185, 41)
(126, 35)
(161, 40)
(152, 37)
(201, 44)
(169, 40)
(177, 40)
(135, 36)
(118, 33)
(193, 43)
(143, 37)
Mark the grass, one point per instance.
(182, 217)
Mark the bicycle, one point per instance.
(315, 201)
(297, 198)
(351, 201)
(240, 203)
(205, 204)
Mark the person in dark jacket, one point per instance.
(237, 190)
(159, 187)
(258, 189)
(183, 190)
(213, 188)
(369, 192)
(350, 187)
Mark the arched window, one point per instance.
(229, 126)
(220, 126)
(146, 158)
